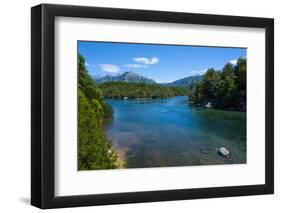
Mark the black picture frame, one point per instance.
(43, 102)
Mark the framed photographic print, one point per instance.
(139, 106)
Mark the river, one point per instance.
(169, 132)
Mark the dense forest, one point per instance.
(123, 90)
(95, 150)
(225, 89)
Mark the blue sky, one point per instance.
(163, 63)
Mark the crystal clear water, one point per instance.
(169, 132)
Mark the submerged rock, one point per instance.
(203, 151)
(223, 151)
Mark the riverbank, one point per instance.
(212, 105)
(121, 159)
(126, 90)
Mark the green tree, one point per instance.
(119, 90)
(240, 72)
(225, 89)
(211, 83)
(94, 149)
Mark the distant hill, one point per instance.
(128, 90)
(186, 82)
(130, 76)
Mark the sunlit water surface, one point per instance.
(169, 132)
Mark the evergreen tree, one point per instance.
(94, 149)
(225, 89)
(119, 90)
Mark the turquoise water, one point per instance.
(169, 132)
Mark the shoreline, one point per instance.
(121, 159)
(148, 98)
(213, 108)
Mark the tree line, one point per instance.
(95, 151)
(121, 90)
(223, 89)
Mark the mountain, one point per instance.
(126, 77)
(186, 82)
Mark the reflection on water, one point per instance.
(169, 132)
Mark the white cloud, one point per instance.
(110, 68)
(136, 65)
(87, 64)
(197, 72)
(146, 61)
(233, 61)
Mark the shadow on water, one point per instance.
(169, 132)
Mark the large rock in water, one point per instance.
(209, 105)
(223, 151)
